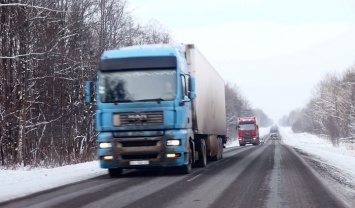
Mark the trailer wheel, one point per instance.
(221, 146)
(115, 172)
(202, 155)
(219, 149)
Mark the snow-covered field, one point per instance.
(342, 157)
(17, 183)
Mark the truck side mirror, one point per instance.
(89, 91)
(192, 93)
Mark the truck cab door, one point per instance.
(186, 99)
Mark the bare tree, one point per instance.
(47, 50)
(264, 120)
(236, 106)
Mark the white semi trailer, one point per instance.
(209, 110)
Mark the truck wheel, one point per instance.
(115, 172)
(218, 154)
(186, 169)
(221, 146)
(202, 155)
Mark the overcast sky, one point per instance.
(275, 51)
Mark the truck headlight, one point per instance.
(173, 142)
(173, 155)
(105, 145)
(107, 157)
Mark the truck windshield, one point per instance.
(139, 85)
(246, 126)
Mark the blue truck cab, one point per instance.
(143, 109)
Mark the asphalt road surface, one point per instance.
(271, 175)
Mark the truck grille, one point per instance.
(247, 135)
(140, 119)
(138, 143)
(138, 148)
(139, 157)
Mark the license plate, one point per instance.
(140, 162)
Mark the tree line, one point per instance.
(47, 50)
(330, 111)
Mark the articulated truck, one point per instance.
(158, 106)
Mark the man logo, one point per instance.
(137, 117)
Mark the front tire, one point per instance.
(186, 169)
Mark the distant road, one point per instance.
(271, 175)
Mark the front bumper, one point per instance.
(140, 152)
(248, 141)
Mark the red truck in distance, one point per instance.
(248, 131)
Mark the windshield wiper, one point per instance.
(158, 100)
(155, 99)
(119, 101)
